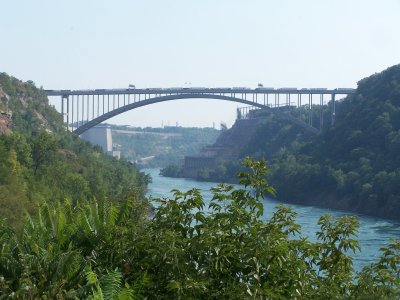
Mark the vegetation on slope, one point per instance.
(355, 164)
(162, 146)
(272, 137)
(40, 161)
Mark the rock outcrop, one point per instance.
(5, 116)
(5, 122)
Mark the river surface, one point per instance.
(373, 232)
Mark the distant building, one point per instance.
(101, 135)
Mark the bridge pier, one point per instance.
(83, 110)
(310, 116)
(65, 100)
(321, 113)
(333, 109)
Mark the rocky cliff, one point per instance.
(27, 107)
(5, 115)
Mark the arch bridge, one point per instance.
(84, 109)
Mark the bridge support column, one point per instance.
(98, 106)
(321, 118)
(62, 107)
(299, 105)
(333, 109)
(65, 101)
(88, 108)
(83, 110)
(72, 112)
(310, 110)
(103, 106)
(67, 113)
(77, 111)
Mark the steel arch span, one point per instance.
(81, 129)
(83, 109)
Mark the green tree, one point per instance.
(43, 150)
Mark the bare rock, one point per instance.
(5, 122)
(5, 115)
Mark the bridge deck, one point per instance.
(152, 91)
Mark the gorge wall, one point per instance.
(228, 147)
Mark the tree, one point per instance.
(43, 150)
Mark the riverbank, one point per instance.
(373, 232)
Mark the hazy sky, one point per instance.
(165, 43)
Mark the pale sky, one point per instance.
(90, 44)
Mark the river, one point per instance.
(373, 232)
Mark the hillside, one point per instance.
(158, 147)
(264, 136)
(354, 165)
(41, 161)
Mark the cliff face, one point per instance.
(228, 147)
(5, 116)
(27, 105)
(5, 122)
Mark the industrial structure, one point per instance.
(100, 135)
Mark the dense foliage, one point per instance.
(353, 165)
(40, 161)
(187, 250)
(159, 147)
(273, 136)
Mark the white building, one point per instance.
(101, 135)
